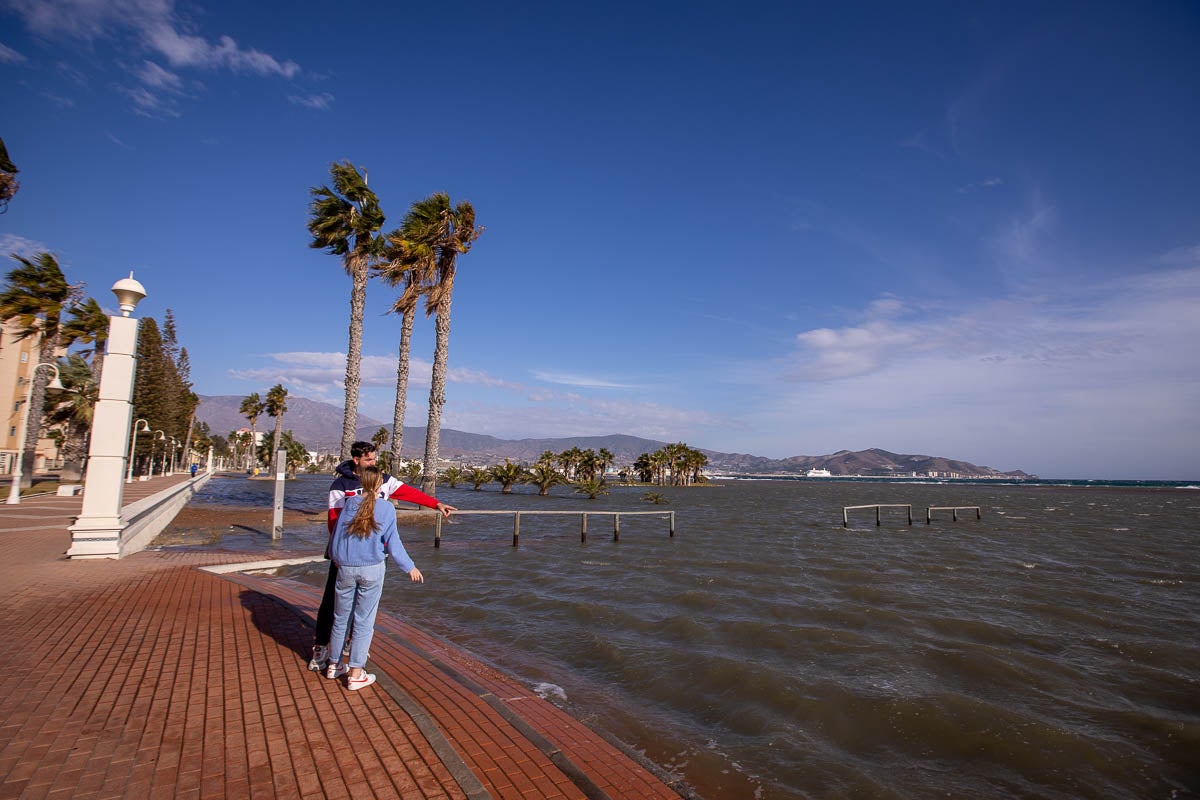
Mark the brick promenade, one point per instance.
(151, 678)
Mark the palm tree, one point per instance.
(252, 407)
(71, 413)
(605, 459)
(436, 234)
(88, 325)
(35, 295)
(400, 269)
(8, 178)
(507, 474)
(544, 476)
(592, 487)
(452, 476)
(479, 476)
(343, 221)
(276, 406)
(379, 439)
(411, 472)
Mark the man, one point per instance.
(347, 484)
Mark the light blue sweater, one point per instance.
(348, 550)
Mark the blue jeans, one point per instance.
(358, 591)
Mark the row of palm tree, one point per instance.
(675, 464)
(43, 306)
(418, 259)
(252, 407)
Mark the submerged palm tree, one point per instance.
(544, 476)
(453, 475)
(35, 296)
(507, 474)
(343, 221)
(478, 476)
(435, 235)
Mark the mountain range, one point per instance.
(319, 426)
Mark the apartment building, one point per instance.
(17, 360)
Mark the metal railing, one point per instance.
(876, 506)
(954, 512)
(583, 530)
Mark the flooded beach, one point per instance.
(1051, 649)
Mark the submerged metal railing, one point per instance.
(583, 532)
(876, 506)
(954, 512)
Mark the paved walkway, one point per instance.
(151, 678)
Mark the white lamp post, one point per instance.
(14, 491)
(97, 531)
(144, 427)
(159, 436)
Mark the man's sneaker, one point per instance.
(320, 655)
(336, 670)
(361, 682)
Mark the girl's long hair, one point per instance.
(364, 524)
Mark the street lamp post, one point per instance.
(14, 491)
(98, 528)
(144, 427)
(159, 436)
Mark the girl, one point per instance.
(366, 533)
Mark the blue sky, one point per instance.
(968, 230)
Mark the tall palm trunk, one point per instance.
(358, 302)
(275, 442)
(437, 386)
(406, 329)
(37, 401)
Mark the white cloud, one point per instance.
(21, 246)
(152, 74)
(154, 24)
(319, 102)
(586, 381)
(1089, 381)
(10, 56)
(59, 100)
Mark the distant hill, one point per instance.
(319, 426)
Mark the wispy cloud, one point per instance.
(10, 56)
(152, 74)
(154, 24)
(989, 183)
(319, 102)
(10, 243)
(1109, 370)
(59, 100)
(587, 381)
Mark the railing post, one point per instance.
(954, 514)
(437, 531)
(910, 515)
(845, 518)
(672, 524)
(928, 515)
(516, 528)
(583, 529)
(876, 516)
(616, 527)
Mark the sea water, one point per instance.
(1051, 649)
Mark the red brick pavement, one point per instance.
(147, 678)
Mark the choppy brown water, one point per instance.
(1050, 650)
